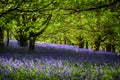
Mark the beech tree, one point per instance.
(78, 22)
(101, 28)
(16, 8)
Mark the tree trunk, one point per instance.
(103, 48)
(8, 37)
(113, 48)
(22, 38)
(65, 40)
(87, 45)
(23, 41)
(80, 42)
(108, 47)
(32, 43)
(1, 37)
(96, 46)
(98, 41)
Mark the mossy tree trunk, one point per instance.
(80, 42)
(96, 46)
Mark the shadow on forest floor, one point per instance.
(61, 52)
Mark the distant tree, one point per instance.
(80, 42)
(94, 20)
(100, 29)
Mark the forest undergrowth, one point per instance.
(57, 62)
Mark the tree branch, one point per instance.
(103, 6)
(91, 9)
(16, 8)
(38, 10)
(46, 22)
(45, 6)
(102, 38)
(33, 34)
(9, 10)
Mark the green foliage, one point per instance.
(70, 18)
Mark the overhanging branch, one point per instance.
(37, 9)
(9, 10)
(17, 8)
(91, 9)
(46, 22)
(103, 6)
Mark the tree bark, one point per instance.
(108, 47)
(8, 37)
(80, 42)
(65, 40)
(1, 37)
(86, 44)
(32, 43)
(23, 41)
(100, 38)
(34, 35)
(113, 48)
(96, 46)
(60, 40)
(22, 38)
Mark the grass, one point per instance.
(84, 72)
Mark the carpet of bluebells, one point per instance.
(57, 62)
